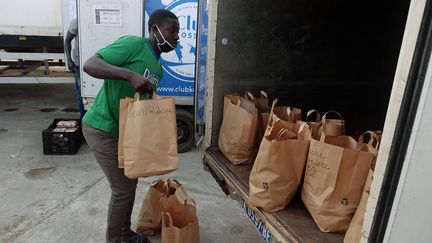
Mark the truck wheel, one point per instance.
(185, 130)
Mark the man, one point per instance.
(130, 64)
(72, 56)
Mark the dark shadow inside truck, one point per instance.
(324, 55)
(327, 55)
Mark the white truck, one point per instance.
(31, 26)
(31, 35)
(369, 60)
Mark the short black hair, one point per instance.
(158, 17)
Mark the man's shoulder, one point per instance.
(136, 42)
(132, 39)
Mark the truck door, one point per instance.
(200, 84)
(99, 24)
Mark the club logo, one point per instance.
(180, 63)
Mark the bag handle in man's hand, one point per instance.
(138, 97)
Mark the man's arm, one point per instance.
(68, 48)
(96, 67)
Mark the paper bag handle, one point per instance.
(168, 219)
(322, 137)
(171, 181)
(373, 137)
(280, 135)
(168, 184)
(310, 112)
(189, 201)
(270, 120)
(249, 96)
(154, 95)
(137, 96)
(308, 135)
(331, 111)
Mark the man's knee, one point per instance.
(124, 192)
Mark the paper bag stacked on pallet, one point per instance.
(279, 165)
(353, 233)
(313, 125)
(335, 175)
(238, 136)
(331, 127)
(354, 230)
(244, 123)
(285, 113)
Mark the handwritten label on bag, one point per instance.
(155, 111)
(316, 161)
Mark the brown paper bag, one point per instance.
(150, 138)
(353, 233)
(336, 172)
(261, 101)
(285, 113)
(150, 216)
(313, 125)
(354, 230)
(262, 105)
(290, 114)
(375, 143)
(175, 194)
(180, 223)
(332, 127)
(124, 103)
(238, 136)
(279, 165)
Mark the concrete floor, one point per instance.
(51, 198)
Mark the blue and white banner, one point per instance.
(202, 62)
(178, 65)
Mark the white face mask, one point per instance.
(164, 46)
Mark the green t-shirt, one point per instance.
(131, 52)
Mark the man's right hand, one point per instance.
(140, 84)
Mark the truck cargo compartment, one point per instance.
(292, 224)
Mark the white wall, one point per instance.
(94, 36)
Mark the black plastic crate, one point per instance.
(61, 142)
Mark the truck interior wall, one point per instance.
(336, 54)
